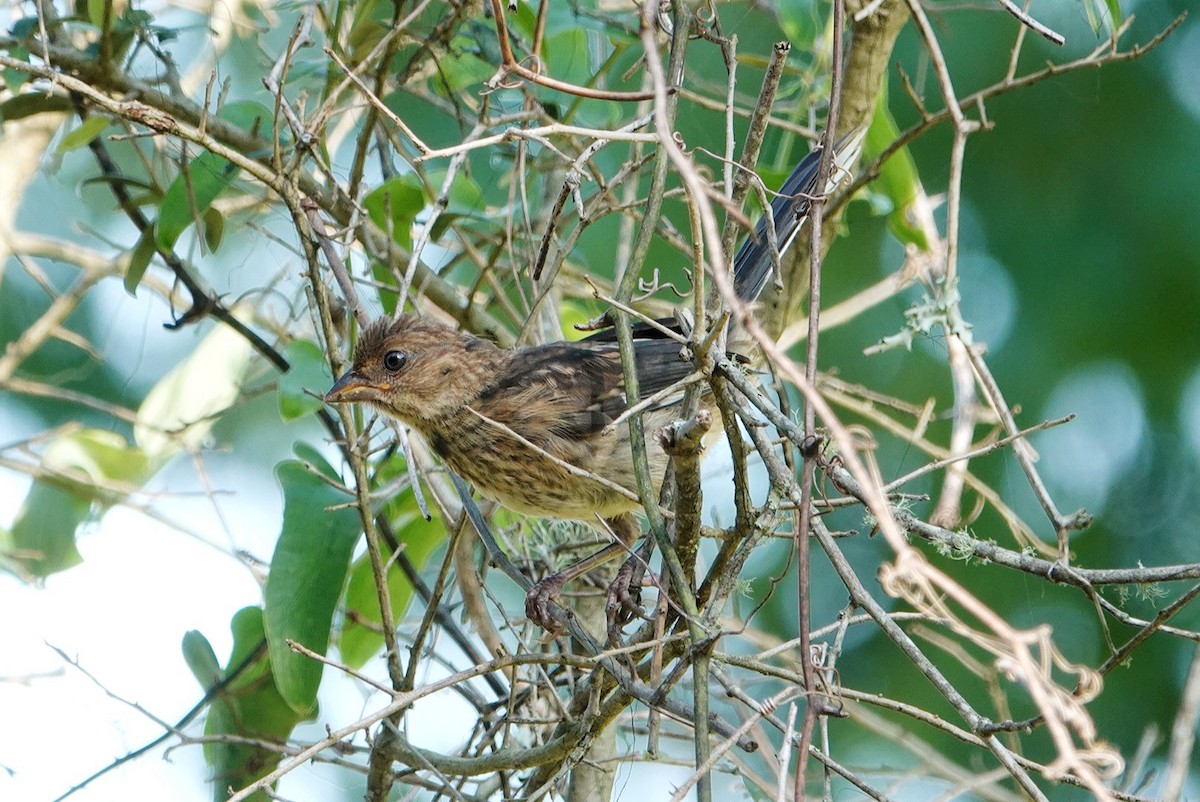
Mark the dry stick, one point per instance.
(1096, 58)
(699, 202)
(914, 573)
(509, 64)
(948, 509)
(760, 116)
(815, 704)
(892, 285)
(1030, 22)
(378, 104)
(274, 81)
(1063, 525)
(977, 452)
(571, 183)
(334, 261)
(761, 710)
(782, 478)
(911, 711)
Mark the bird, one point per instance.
(531, 427)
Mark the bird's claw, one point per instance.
(538, 601)
(624, 598)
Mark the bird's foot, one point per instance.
(538, 601)
(625, 597)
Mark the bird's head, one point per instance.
(415, 369)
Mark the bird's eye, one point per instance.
(394, 360)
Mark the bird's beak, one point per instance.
(351, 387)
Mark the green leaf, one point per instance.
(25, 28)
(101, 455)
(179, 411)
(383, 279)
(251, 116)
(310, 372)
(308, 572)
(800, 23)
(43, 534)
(214, 228)
(455, 74)
(898, 180)
(190, 194)
(567, 54)
(95, 12)
(315, 460)
(361, 636)
(250, 706)
(84, 464)
(201, 659)
(139, 260)
(27, 104)
(88, 130)
(1103, 15)
(395, 204)
(366, 29)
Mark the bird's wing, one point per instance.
(574, 390)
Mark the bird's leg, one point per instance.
(539, 597)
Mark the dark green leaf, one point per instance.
(25, 27)
(249, 707)
(315, 460)
(384, 279)
(201, 659)
(27, 104)
(308, 573)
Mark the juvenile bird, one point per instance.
(529, 427)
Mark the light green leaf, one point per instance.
(180, 410)
(98, 453)
(85, 464)
(310, 372)
(88, 130)
(201, 659)
(395, 204)
(361, 636)
(1102, 15)
(43, 534)
(308, 572)
(898, 179)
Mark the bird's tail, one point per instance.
(789, 211)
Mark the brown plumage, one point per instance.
(530, 428)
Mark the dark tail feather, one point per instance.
(752, 265)
(789, 210)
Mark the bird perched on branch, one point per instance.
(531, 427)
